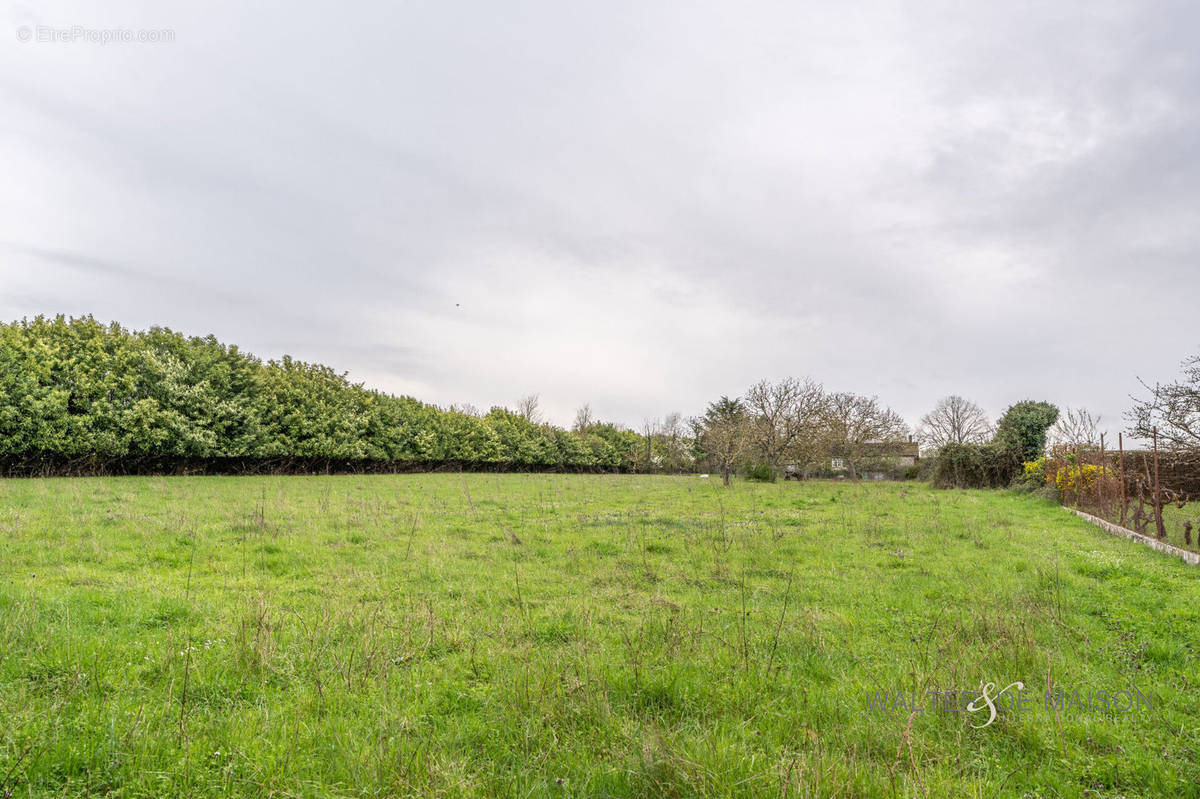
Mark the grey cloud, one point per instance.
(640, 206)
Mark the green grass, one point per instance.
(1174, 519)
(546, 636)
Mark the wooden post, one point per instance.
(1139, 517)
(1101, 483)
(1079, 476)
(1124, 490)
(1159, 527)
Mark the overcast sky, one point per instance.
(639, 205)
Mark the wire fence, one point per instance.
(1149, 491)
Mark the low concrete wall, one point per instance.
(1188, 556)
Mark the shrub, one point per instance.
(1079, 478)
(761, 472)
(992, 465)
(1033, 474)
(1048, 493)
(927, 466)
(1023, 428)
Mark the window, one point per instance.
(838, 463)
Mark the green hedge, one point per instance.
(992, 465)
(79, 389)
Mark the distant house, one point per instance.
(873, 459)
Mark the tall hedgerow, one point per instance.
(74, 387)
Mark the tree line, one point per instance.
(793, 423)
(971, 452)
(75, 389)
(78, 389)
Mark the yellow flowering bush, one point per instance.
(1035, 471)
(1079, 478)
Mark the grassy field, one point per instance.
(546, 636)
(1173, 520)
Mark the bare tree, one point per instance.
(1076, 428)
(724, 433)
(675, 442)
(667, 445)
(672, 424)
(785, 419)
(583, 419)
(851, 421)
(954, 420)
(649, 434)
(1173, 408)
(527, 409)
